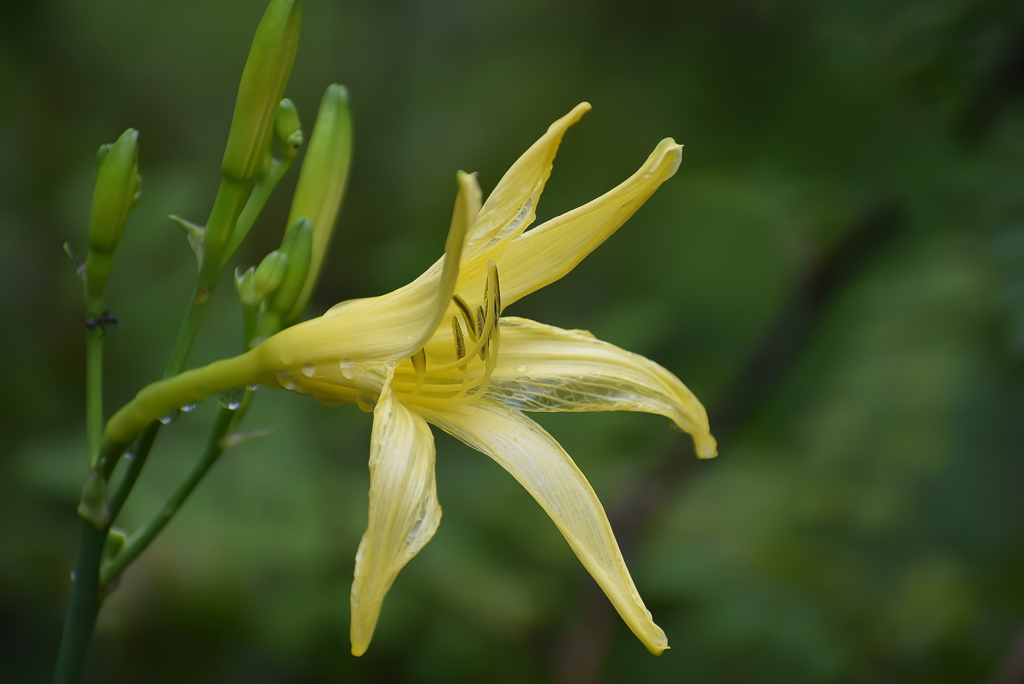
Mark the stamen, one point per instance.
(460, 379)
(480, 320)
(460, 341)
(474, 330)
(419, 364)
(497, 288)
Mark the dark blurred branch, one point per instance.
(580, 656)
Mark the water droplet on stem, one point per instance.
(231, 399)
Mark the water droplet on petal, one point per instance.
(284, 377)
(286, 357)
(231, 399)
(170, 416)
(366, 402)
(521, 368)
(309, 369)
(348, 368)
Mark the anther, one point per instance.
(474, 330)
(460, 341)
(497, 291)
(419, 361)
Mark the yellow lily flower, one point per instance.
(438, 351)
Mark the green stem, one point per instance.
(254, 205)
(139, 541)
(163, 396)
(145, 444)
(83, 606)
(223, 218)
(94, 380)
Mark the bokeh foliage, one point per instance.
(837, 270)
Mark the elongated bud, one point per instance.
(287, 128)
(298, 245)
(270, 273)
(321, 185)
(259, 94)
(245, 286)
(117, 190)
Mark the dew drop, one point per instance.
(170, 417)
(128, 456)
(309, 369)
(187, 407)
(366, 402)
(231, 399)
(285, 379)
(252, 388)
(521, 368)
(348, 368)
(73, 576)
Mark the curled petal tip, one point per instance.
(705, 445)
(670, 147)
(574, 115)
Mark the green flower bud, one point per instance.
(115, 193)
(287, 128)
(270, 273)
(321, 185)
(297, 245)
(117, 185)
(259, 94)
(245, 285)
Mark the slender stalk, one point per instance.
(84, 603)
(144, 446)
(254, 205)
(157, 399)
(223, 217)
(94, 378)
(83, 606)
(142, 538)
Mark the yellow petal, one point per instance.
(511, 206)
(385, 329)
(544, 368)
(404, 512)
(549, 251)
(536, 460)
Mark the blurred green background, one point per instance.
(837, 271)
